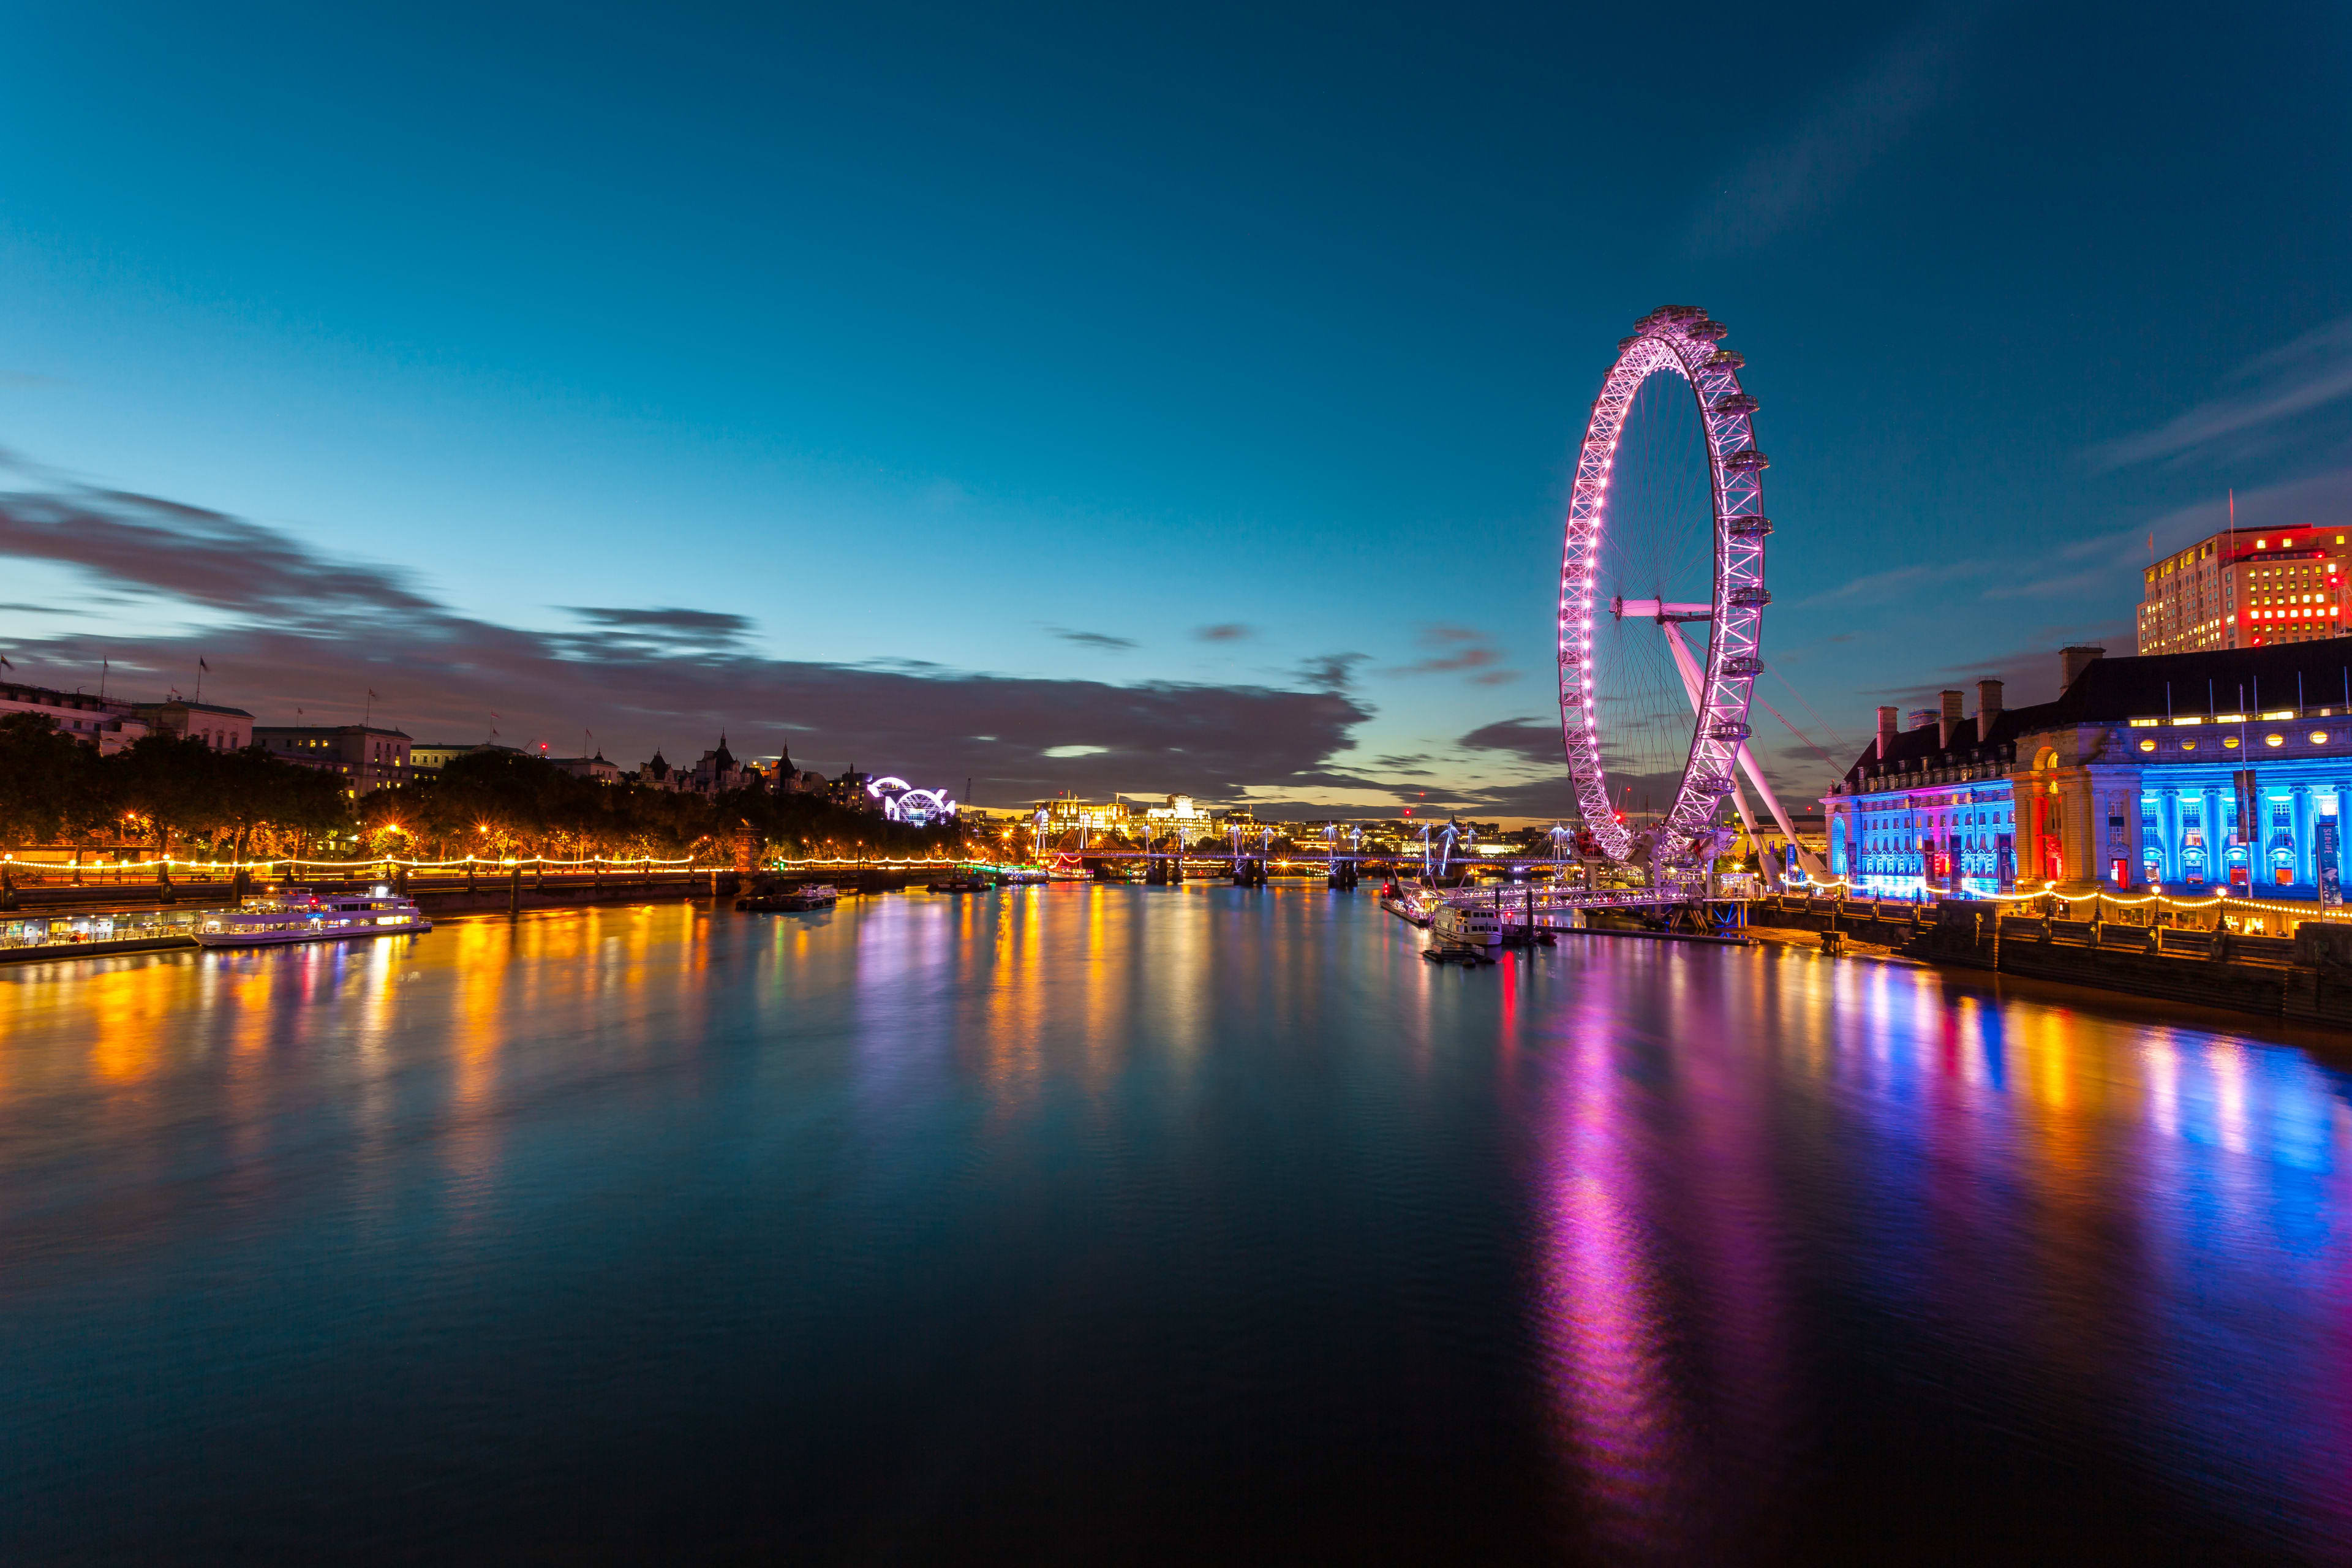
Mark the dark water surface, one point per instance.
(1094, 1225)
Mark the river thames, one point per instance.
(1112, 1223)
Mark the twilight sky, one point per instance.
(1103, 399)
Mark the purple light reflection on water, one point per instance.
(1118, 1223)
(2036, 1221)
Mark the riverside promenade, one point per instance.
(2305, 976)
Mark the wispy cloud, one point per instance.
(666, 629)
(2313, 371)
(304, 629)
(2028, 669)
(1796, 180)
(1878, 587)
(1536, 740)
(1329, 671)
(199, 556)
(2094, 579)
(1225, 631)
(1457, 650)
(1103, 640)
(2314, 498)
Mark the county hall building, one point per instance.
(2191, 772)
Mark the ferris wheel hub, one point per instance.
(1659, 610)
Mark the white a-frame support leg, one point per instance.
(1812, 863)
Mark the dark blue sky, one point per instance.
(931, 357)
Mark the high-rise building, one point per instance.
(2243, 589)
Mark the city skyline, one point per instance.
(1163, 428)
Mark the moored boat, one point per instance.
(1454, 926)
(297, 914)
(1408, 900)
(792, 900)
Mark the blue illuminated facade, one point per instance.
(2271, 827)
(2123, 783)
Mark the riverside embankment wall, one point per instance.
(2306, 977)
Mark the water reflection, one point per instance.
(1124, 1199)
(2066, 1217)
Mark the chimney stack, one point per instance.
(1947, 720)
(1988, 709)
(1886, 719)
(2073, 661)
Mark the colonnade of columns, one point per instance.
(2215, 808)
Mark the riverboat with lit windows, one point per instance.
(1456, 929)
(298, 915)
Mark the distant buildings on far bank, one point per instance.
(369, 757)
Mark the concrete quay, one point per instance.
(2305, 978)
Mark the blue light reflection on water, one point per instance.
(1187, 1222)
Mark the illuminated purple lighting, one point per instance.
(1678, 340)
(902, 802)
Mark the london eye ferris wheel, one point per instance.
(1662, 594)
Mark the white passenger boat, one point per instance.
(1456, 926)
(295, 914)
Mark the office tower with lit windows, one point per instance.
(2243, 589)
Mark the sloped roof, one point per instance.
(2218, 680)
